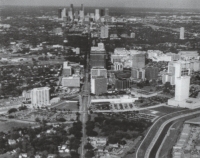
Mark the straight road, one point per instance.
(84, 115)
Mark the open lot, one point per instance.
(6, 126)
(72, 106)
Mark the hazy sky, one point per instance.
(111, 3)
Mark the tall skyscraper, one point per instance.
(72, 8)
(59, 13)
(97, 60)
(101, 12)
(97, 57)
(182, 32)
(40, 97)
(104, 31)
(82, 7)
(98, 85)
(81, 14)
(64, 13)
(177, 69)
(92, 16)
(70, 14)
(182, 88)
(76, 14)
(106, 12)
(97, 15)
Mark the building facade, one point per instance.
(151, 73)
(98, 85)
(98, 56)
(118, 66)
(122, 84)
(138, 61)
(40, 97)
(67, 70)
(182, 32)
(104, 32)
(138, 73)
(98, 71)
(182, 88)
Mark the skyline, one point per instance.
(179, 4)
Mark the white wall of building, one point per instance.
(182, 88)
(40, 97)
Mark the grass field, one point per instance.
(171, 139)
(68, 106)
(7, 126)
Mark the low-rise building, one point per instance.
(98, 141)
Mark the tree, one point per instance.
(12, 110)
(37, 119)
(74, 154)
(168, 85)
(22, 108)
(89, 154)
(88, 146)
(61, 119)
(140, 85)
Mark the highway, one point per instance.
(158, 138)
(151, 132)
(84, 108)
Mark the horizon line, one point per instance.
(97, 7)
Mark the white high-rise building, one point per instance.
(177, 69)
(63, 13)
(70, 14)
(182, 88)
(81, 14)
(182, 32)
(92, 16)
(97, 15)
(104, 31)
(40, 97)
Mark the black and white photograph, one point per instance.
(99, 78)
